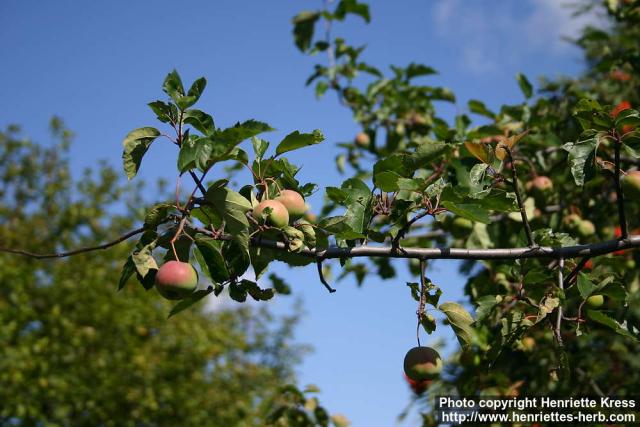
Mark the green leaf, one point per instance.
(136, 144)
(358, 204)
(486, 304)
(416, 70)
(478, 107)
(166, 113)
(195, 91)
(352, 6)
(524, 84)
(582, 155)
(145, 265)
(296, 140)
(585, 286)
(338, 226)
(603, 319)
(190, 300)
(211, 260)
(303, 26)
(156, 214)
(127, 270)
(460, 321)
(229, 205)
(387, 181)
(230, 137)
(200, 120)
(260, 146)
(172, 86)
(459, 205)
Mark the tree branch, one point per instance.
(590, 250)
(76, 251)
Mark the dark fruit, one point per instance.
(422, 363)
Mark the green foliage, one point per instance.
(566, 131)
(75, 352)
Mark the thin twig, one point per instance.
(575, 271)
(557, 330)
(75, 251)
(516, 189)
(322, 279)
(619, 194)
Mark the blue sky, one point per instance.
(97, 64)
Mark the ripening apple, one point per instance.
(418, 387)
(422, 363)
(363, 140)
(586, 228)
(176, 280)
(541, 183)
(595, 301)
(631, 184)
(278, 215)
(294, 202)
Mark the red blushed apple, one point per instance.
(278, 215)
(294, 202)
(418, 387)
(176, 280)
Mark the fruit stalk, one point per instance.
(516, 189)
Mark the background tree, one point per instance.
(73, 351)
(541, 327)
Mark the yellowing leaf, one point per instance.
(480, 151)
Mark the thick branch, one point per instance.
(590, 250)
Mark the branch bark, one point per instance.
(578, 251)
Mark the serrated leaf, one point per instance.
(460, 321)
(200, 120)
(136, 144)
(582, 155)
(603, 319)
(156, 214)
(296, 140)
(190, 300)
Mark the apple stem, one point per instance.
(516, 189)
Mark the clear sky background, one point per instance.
(96, 64)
